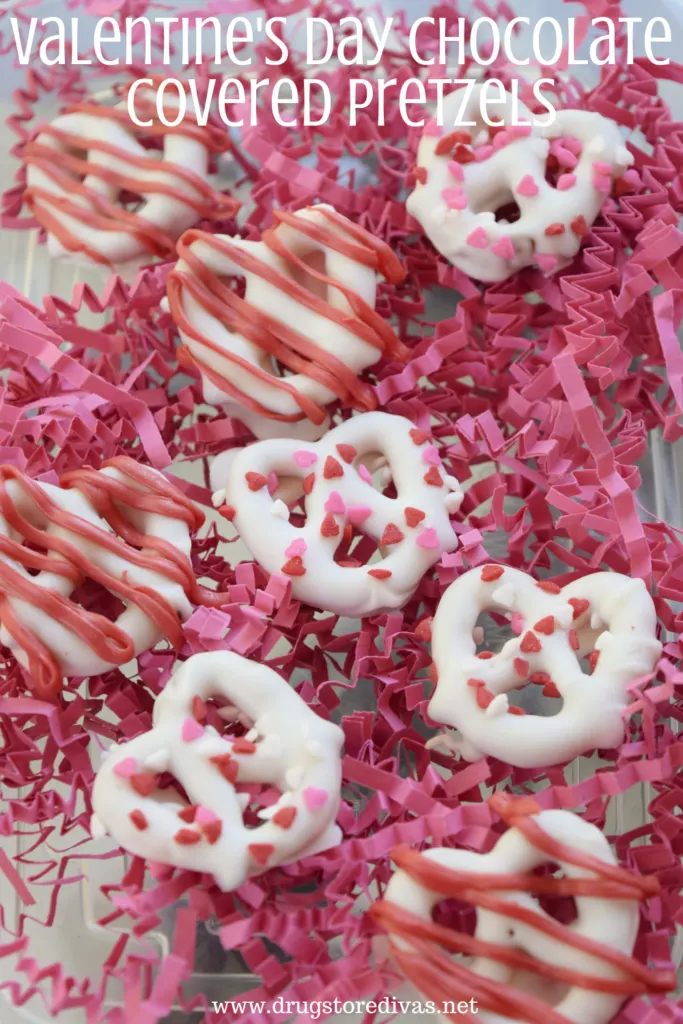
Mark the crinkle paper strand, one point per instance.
(543, 410)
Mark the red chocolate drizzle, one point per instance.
(428, 965)
(67, 169)
(64, 558)
(292, 350)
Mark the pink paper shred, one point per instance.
(551, 401)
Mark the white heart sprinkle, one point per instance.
(270, 746)
(478, 634)
(294, 777)
(595, 145)
(279, 509)
(453, 501)
(243, 800)
(218, 498)
(252, 735)
(564, 616)
(314, 747)
(498, 706)
(604, 639)
(596, 621)
(158, 761)
(505, 596)
(97, 829)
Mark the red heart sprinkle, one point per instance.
(434, 673)
(421, 175)
(550, 690)
(580, 605)
(284, 817)
(198, 708)
(574, 640)
(549, 586)
(463, 155)
(391, 535)
(242, 746)
(347, 452)
(447, 142)
(485, 655)
(260, 852)
(308, 483)
(187, 837)
(332, 468)
(476, 683)
(521, 667)
(139, 820)
(228, 512)
(379, 574)
(256, 481)
(433, 477)
(491, 572)
(622, 188)
(555, 229)
(484, 697)
(419, 436)
(540, 678)
(593, 659)
(580, 227)
(329, 526)
(530, 644)
(228, 768)
(413, 515)
(212, 831)
(188, 813)
(423, 630)
(144, 783)
(516, 711)
(294, 567)
(546, 625)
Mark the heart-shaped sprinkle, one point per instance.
(256, 481)
(228, 512)
(138, 819)
(565, 182)
(484, 697)
(212, 831)
(418, 436)
(204, 816)
(455, 170)
(482, 153)
(580, 606)
(391, 535)
(144, 783)
(297, 547)
(243, 746)
(491, 573)
(580, 227)
(188, 814)
(602, 183)
(521, 667)
(413, 516)
(357, 514)
(305, 458)
(478, 238)
(198, 708)
(530, 644)
(187, 837)
(433, 477)
(228, 767)
(332, 468)
(329, 526)
(191, 730)
(454, 198)
(547, 262)
(125, 768)
(546, 625)
(294, 567)
(430, 455)
(504, 248)
(284, 817)
(379, 574)
(309, 483)
(261, 852)
(554, 230)
(315, 798)
(364, 474)
(428, 539)
(527, 187)
(549, 586)
(335, 503)
(347, 452)
(421, 175)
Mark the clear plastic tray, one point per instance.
(75, 939)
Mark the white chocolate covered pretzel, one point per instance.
(467, 176)
(82, 163)
(607, 616)
(412, 530)
(124, 526)
(305, 328)
(525, 964)
(292, 749)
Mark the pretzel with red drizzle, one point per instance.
(309, 306)
(588, 964)
(81, 165)
(609, 617)
(124, 526)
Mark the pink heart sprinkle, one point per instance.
(456, 170)
(564, 155)
(358, 513)
(517, 623)
(428, 538)
(565, 182)
(159, 871)
(501, 140)
(191, 730)
(527, 187)
(600, 167)
(126, 768)
(335, 503)
(478, 239)
(519, 131)
(315, 798)
(632, 177)
(432, 128)
(574, 145)
(297, 547)
(364, 474)
(602, 183)
(204, 816)
(305, 458)
(504, 248)
(431, 456)
(546, 262)
(273, 482)
(454, 198)
(482, 153)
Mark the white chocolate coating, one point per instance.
(613, 923)
(247, 365)
(490, 184)
(297, 752)
(620, 623)
(163, 211)
(75, 657)
(348, 590)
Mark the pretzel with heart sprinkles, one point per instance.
(124, 526)
(289, 747)
(607, 616)
(580, 972)
(468, 176)
(309, 304)
(81, 164)
(412, 530)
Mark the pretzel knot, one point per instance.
(288, 748)
(412, 530)
(472, 184)
(83, 167)
(585, 970)
(126, 528)
(305, 329)
(606, 617)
